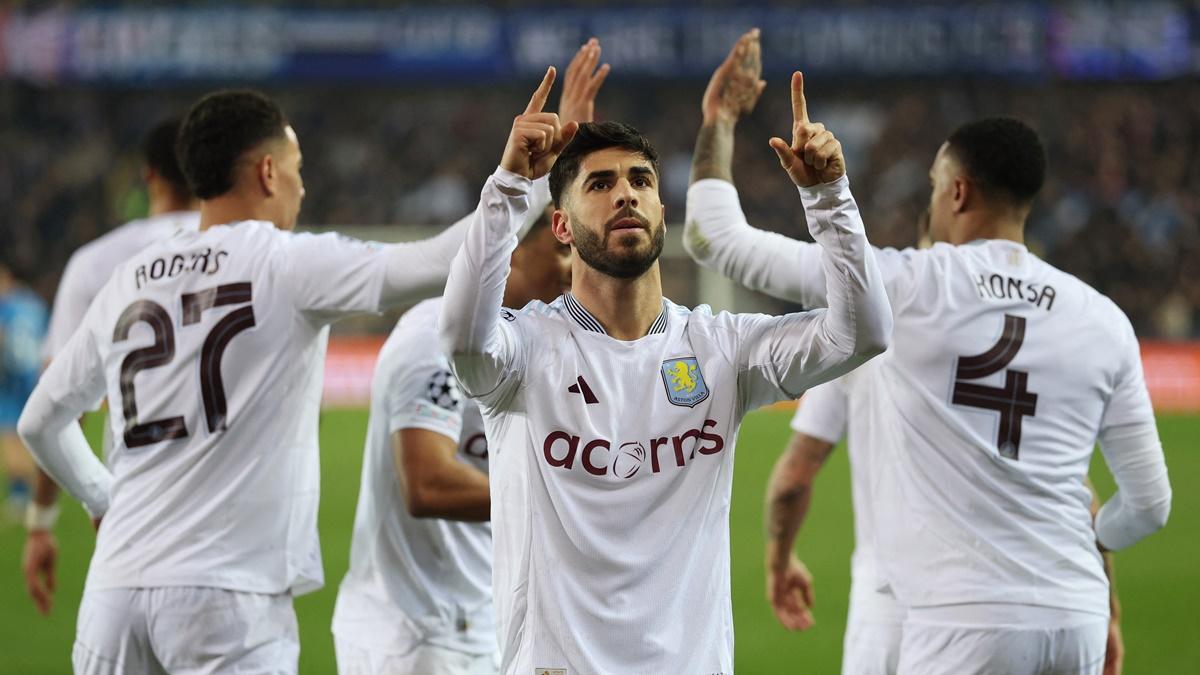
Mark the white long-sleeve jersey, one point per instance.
(416, 580)
(611, 461)
(1002, 375)
(210, 347)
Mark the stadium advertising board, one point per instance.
(1026, 40)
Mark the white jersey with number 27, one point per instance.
(210, 347)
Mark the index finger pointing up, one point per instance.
(543, 92)
(799, 107)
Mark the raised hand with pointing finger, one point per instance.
(537, 137)
(814, 155)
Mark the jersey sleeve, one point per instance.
(71, 302)
(423, 393)
(331, 275)
(68, 387)
(477, 335)
(718, 236)
(780, 357)
(821, 412)
(1129, 402)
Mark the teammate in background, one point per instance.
(209, 346)
(983, 416)
(22, 328)
(612, 412)
(871, 645)
(418, 596)
(173, 208)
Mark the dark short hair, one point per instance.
(158, 153)
(218, 130)
(1003, 155)
(592, 137)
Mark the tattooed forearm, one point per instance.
(713, 156)
(786, 512)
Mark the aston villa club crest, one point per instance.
(684, 381)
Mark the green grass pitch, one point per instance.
(1159, 579)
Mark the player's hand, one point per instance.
(735, 85)
(1114, 653)
(537, 137)
(814, 155)
(37, 564)
(790, 592)
(581, 84)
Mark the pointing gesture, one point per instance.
(537, 137)
(814, 155)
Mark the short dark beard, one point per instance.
(590, 248)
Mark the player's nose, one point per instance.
(624, 195)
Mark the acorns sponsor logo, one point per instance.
(597, 457)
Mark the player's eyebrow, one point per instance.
(641, 171)
(610, 174)
(604, 173)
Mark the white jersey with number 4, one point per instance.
(93, 263)
(416, 580)
(1003, 373)
(210, 347)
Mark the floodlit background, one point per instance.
(402, 111)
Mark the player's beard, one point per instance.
(625, 264)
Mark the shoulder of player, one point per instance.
(1092, 303)
(417, 328)
(539, 316)
(412, 352)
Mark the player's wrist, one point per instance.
(40, 518)
(777, 556)
(721, 119)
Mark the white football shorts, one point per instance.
(871, 645)
(353, 659)
(185, 630)
(937, 648)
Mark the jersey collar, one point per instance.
(584, 318)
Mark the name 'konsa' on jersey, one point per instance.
(997, 286)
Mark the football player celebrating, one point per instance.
(612, 412)
(210, 347)
(418, 596)
(983, 416)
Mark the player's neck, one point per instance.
(160, 207)
(230, 208)
(626, 308)
(1010, 227)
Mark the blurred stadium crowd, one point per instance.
(1120, 209)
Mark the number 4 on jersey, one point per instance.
(1013, 401)
(212, 386)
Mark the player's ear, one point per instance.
(560, 224)
(963, 191)
(266, 172)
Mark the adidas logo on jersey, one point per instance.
(581, 387)
(598, 458)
